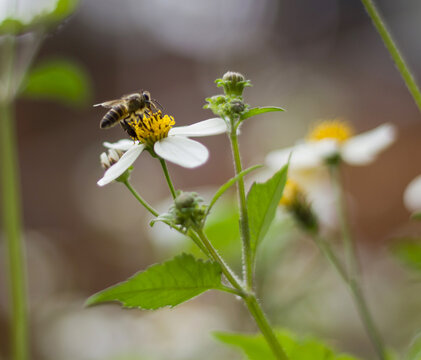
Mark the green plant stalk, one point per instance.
(201, 240)
(12, 229)
(353, 270)
(167, 177)
(265, 328)
(393, 50)
(250, 300)
(155, 213)
(244, 221)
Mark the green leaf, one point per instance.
(297, 348)
(408, 251)
(414, 352)
(166, 284)
(229, 183)
(58, 80)
(262, 201)
(259, 110)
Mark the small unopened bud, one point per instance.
(185, 200)
(237, 106)
(188, 210)
(109, 158)
(233, 83)
(233, 76)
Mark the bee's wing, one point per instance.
(110, 103)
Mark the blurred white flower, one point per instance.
(25, 10)
(156, 133)
(412, 195)
(334, 138)
(328, 140)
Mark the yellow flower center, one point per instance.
(331, 129)
(151, 127)
(290, 194)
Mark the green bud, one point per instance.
(237, 106)
(233, 83)
(187, 211)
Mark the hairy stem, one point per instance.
(12, 228)
(264, 326)
(244, 222)
(167, 177)
(393, 50)
(353, 270)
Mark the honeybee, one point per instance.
(121, 109)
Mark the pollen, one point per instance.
(331, 129)
(151, 127)
(291, 193)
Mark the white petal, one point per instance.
(123, 145)
(363, 149)
(208, 127)
(304, 155)
(182, 151)
(121, 165)
(412, 195)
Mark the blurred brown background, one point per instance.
(317, 59)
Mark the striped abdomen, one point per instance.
(113, 116)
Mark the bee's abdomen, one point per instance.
(112, 116)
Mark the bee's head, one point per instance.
(146, 96)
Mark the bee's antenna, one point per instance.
(156, 101)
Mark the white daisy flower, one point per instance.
(412, 195)
(155, 133)
(333, 138)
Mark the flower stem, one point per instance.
(155, 213)
(353, 271)
(244, 221)
(393, 50)
(12, 228)
(249, 298)
(140, 199)
(167, 177)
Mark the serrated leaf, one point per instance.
(408, 251)
(259, 110)
(167, 284)
(58, 80)
(229, 183)
(262, 201)
(297, 348)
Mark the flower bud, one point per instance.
(233, 83)
(110, 158)
(237, 106)
(187, 210)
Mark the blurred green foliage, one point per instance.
(255, 347)
(408, 251)
(59, 80)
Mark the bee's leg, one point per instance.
(128, 128)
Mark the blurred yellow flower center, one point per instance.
(331, 129)
(152, 127)
(290, 194)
